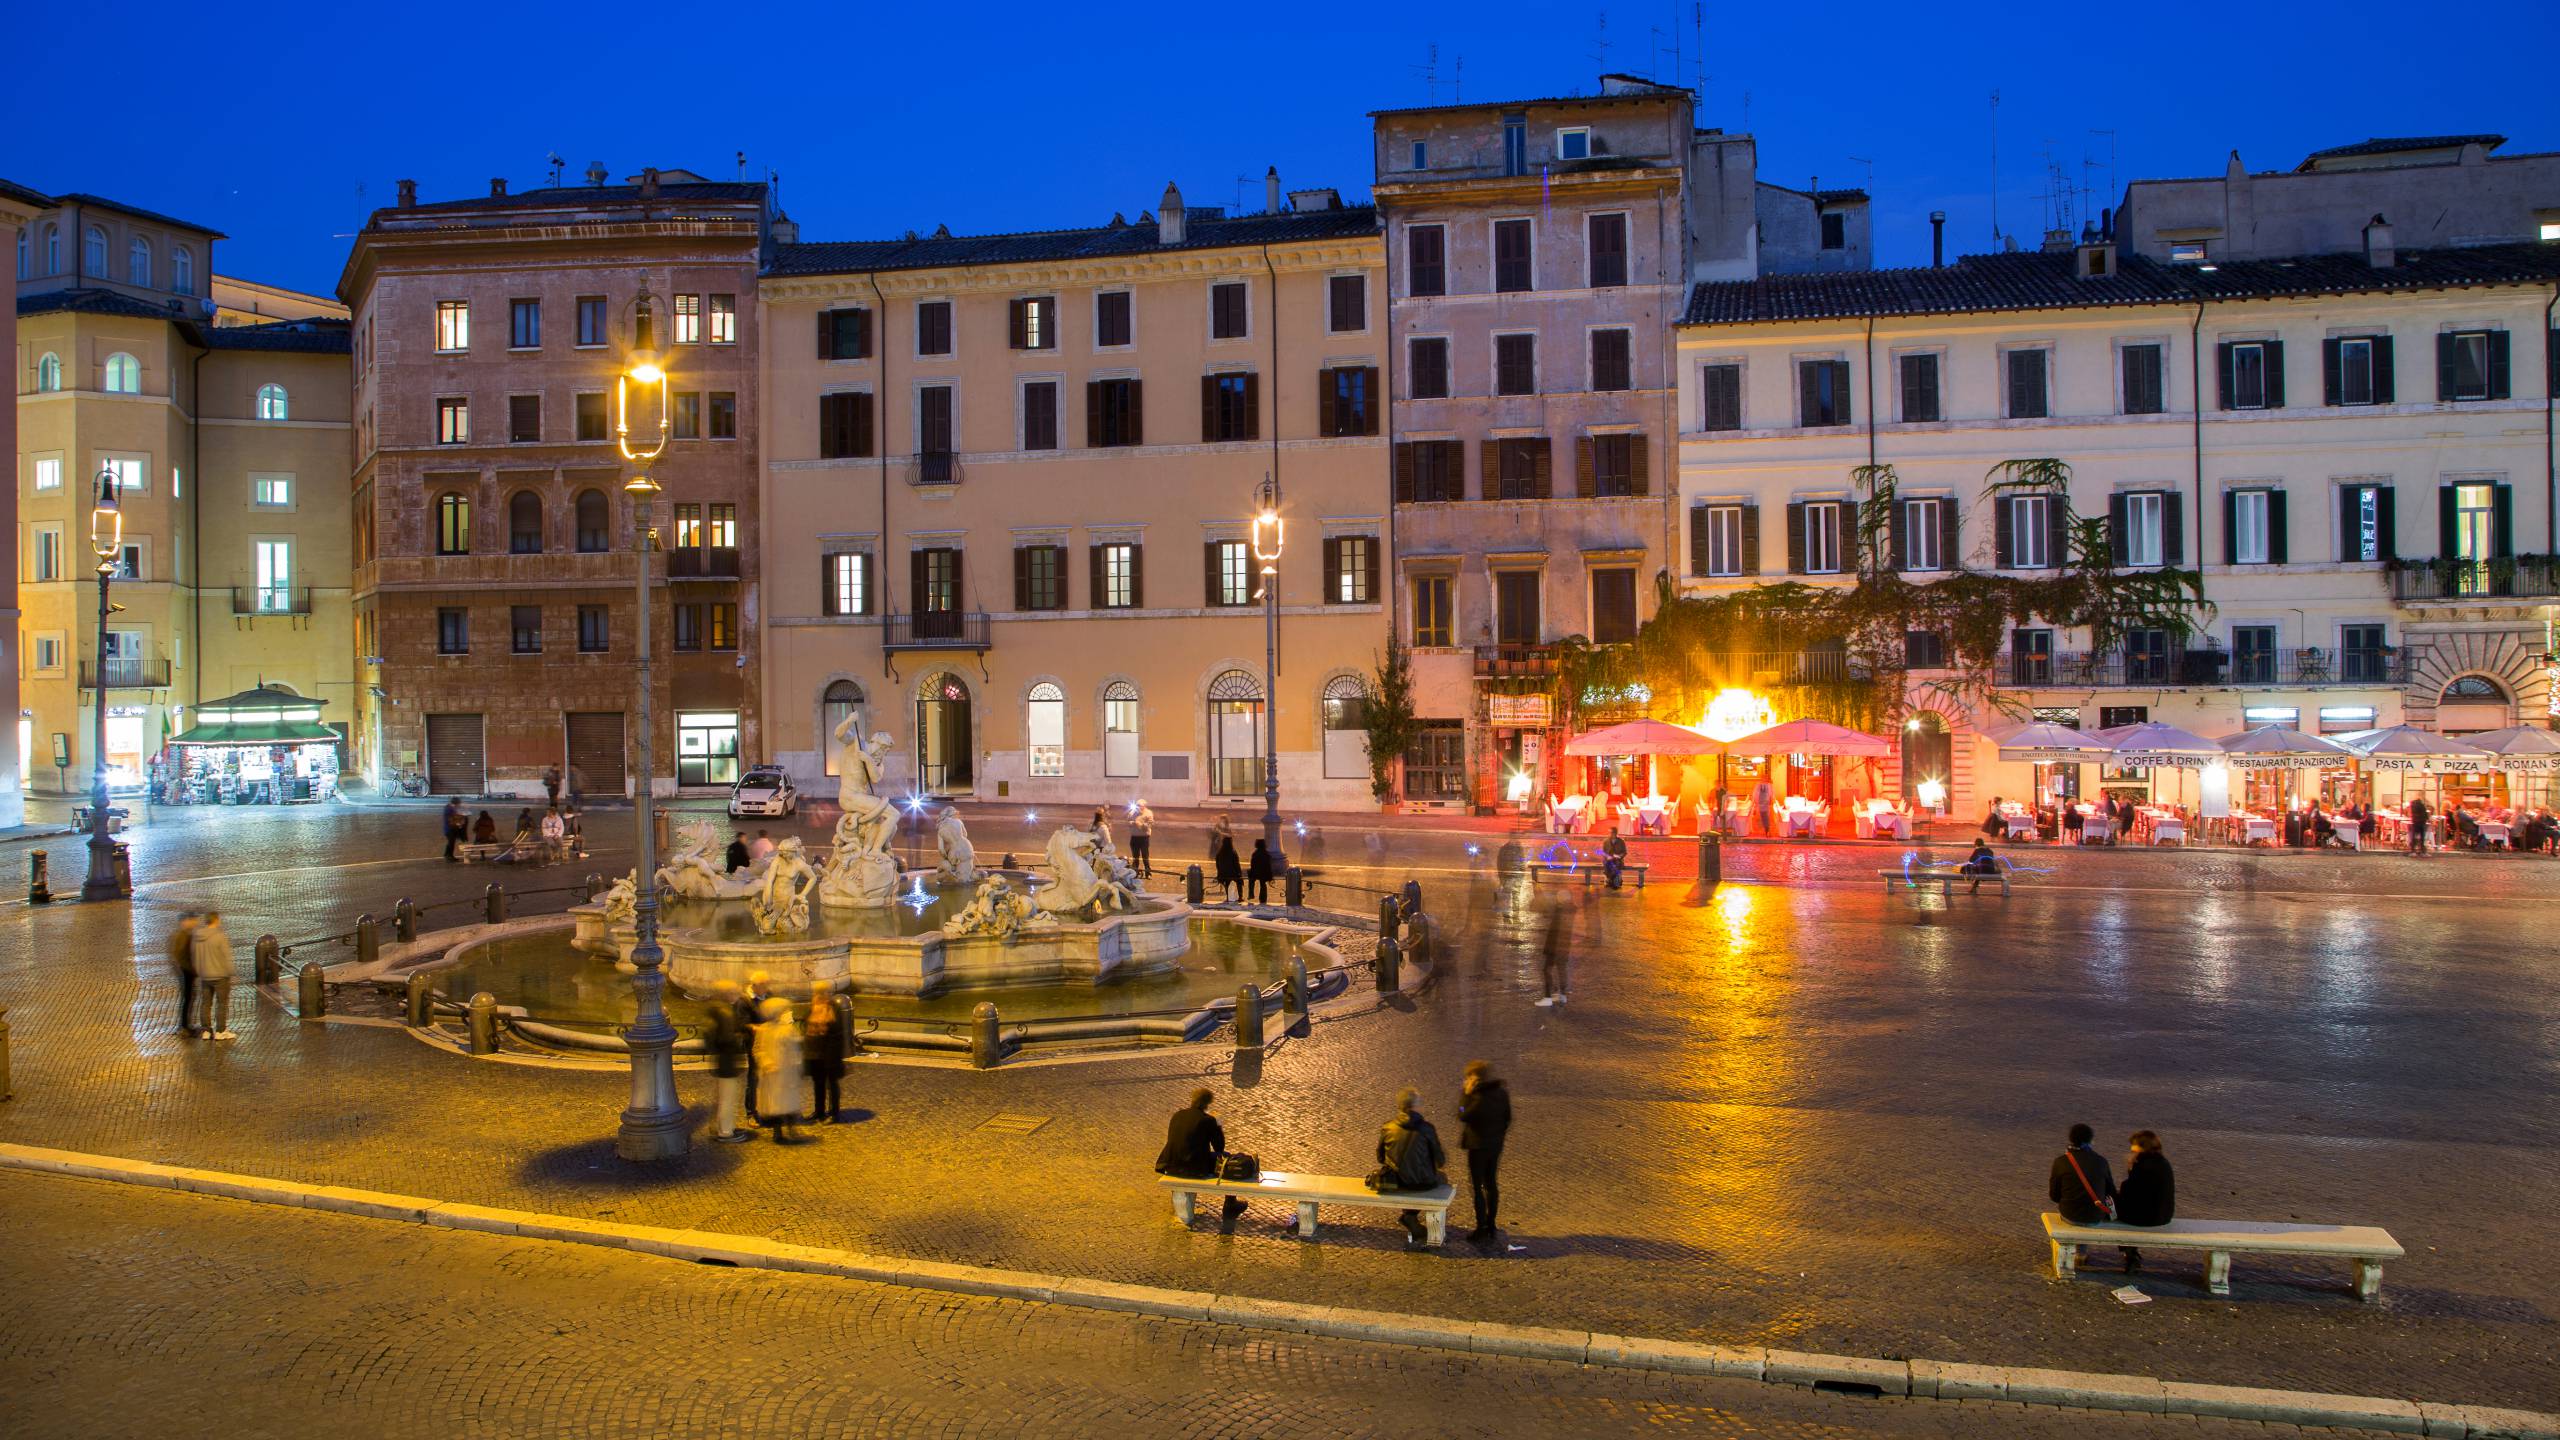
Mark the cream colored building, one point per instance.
(250, 302)
(1007, 492)
(2355, 449)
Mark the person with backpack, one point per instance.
(1409, 1158)
(211, 958)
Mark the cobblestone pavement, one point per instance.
(152, 1312)
(1810, 1113)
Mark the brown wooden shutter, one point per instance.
(1376, 397)
(1209, 591)
(1252, 407)
(1750, 539)
(1542, 468)
(1697, 539)
(1209, 409)
(861, 334)
(1093, 557)
(1326, 424)
(2004, 544)
(1137, 428)
(827, 585)
(1092, 413)
(1014, 311)
(1332, 569)
(1950, 551)
(1489, 468)
(916, 569)
(1137, 575)
(1639, 465)
(1021, 578)
(1897, 539)
(1404, 471)
(1586, 466)
(1795, 537)
(1369, 569)
(826, 334)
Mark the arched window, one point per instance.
(840, 700)
(49, 373)
(2474, 690)
(182, 270)
(53, 249)
(1346, 728)
(137, 261)
(124, 374)
(1235, 734)
(1120, 730)
(271, 402)
(1045, 726)
(595, 524)
(95, 248)
(453, 524)
(524, 524)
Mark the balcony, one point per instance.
(705, 562)
(937, 467)
(2308, 668)
(271, 600)
(1515, 662)
(127, 672)
(2456, 581)
(1760, 670)
(941, 630)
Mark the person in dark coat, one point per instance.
(2081, 1186)
(1613, 857)
(457, 828)
(737, 859)
(484, 831)
(745, 1009)
(1230, 870)
(1484, 1118)
(2419, 814)
(727, 1041)
(1258, 871)
(1194, 1145)
(2150, 1193)
(1554, 960)
(1410, 1158)
(1980, 863)
(822, 1055)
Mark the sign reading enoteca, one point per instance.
(1521, 711)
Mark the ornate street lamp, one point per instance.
(1266, 551)
(655, 1126)
(106, 539)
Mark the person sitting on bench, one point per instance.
(1980, 863)
(1613, 857)
(1409, 1158)
(1195, 1144)
(2149, 1195)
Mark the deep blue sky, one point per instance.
(290, 121)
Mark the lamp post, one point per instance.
(1266, 552)
(106, 539)
(654, 1126)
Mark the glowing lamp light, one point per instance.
(1031, 817)
(1519, 787)
(1267, 538)
(1933, 793)
(1734, 714)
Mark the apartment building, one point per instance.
(494, 546)
(2354, 449)
(19, 207)
(1010, 481)
(2433, 190)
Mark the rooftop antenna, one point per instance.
(1430, 69)
(1600, 46)
(1871, 172)
(1458, 80)
(1995, 169)
(2112, 191)
(742, 165)
(1698, 32)
(557, 165)
(1237, 208)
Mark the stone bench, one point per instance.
(2367, 1245)
(1309, 1191)
(479, 854)
(1945, 877)
(1592, 874)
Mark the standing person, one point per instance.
(182, 964)
(737, 857)
(1102, 825)
(1194, 1146)
(1484, 1118)
(747, 1007)
(456, 829)
(1410, 1158)
(2150, 1193)
(1764, 801)
(551, 787)
(1258, 871)
(728, 1045)
(2080, 1186)
(574, 821)
(2419, 816)
(1221, 831)
(779, 1066)
(1613, 857)
(1553, 956)
(211, 950)
(1142, 832)
(822, 1052)
(1230, 871)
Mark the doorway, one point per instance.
(943, 737)
(1928, 760)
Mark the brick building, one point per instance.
(494, 543)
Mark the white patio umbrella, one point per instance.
(2406, 747)
(1810, 737)
(1643, 737)
(2041, 742)
(2520, 747)
(2281, 747)
(2158, 744)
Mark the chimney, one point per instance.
(497, 187)
(408, 193)
(595, 173)
(1937, 238)
(2377, 244)
(1169, 216)
(649, 182)
(1271, 191)
(786, 231)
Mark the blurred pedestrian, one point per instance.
(484, 831)
(551, 786)
(748, 1007)
(456, 829)
(1142, 839)
(2420, 814)
(737, 857)
(1102, 825)
(211, 949)
(1258, 872)
(822, 1052)
(1230, 870)
(727, 1042)
(1484, 1118)
(2150, 1193)
(182, 964)
(761, 848)
(779, 1070)
(1222, 831)
(1195, 1145)
(1764, 799)
(1410, 1158)
(1554, 955)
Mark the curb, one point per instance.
(1923, 1379)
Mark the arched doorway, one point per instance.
(1928, 760)
(1235, 734)
(2472, 703)
(943, 737)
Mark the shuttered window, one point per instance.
(2356, 370)
(1347, 303)
(1612, 359)
(1230, 408)
(1118, 575)
(1426, 260)
(2472, 365)
(1033, 323)
(844, 583)
(844, 334)
(1822, 392)
(933, 327)
(1112, 413)
(1227, 310)
(1521, 469)
(1920, 390)
(1040, 415)
(1112, 322)
(1719, 397)
(1512, 269)
(1613, 605)
(844, 425)
(1724, 541)
(1515, 364)
(1228, 572)
(1429, 470)
(2027, 384)
(1040, 577)
(1608, 258)
(1350, 569)
(2252, 374)
(1611, 466)
(1428, 374)
(1347, 400)
(2144, 387)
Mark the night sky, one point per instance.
(285, 126)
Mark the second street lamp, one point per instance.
(106, 539)
(1266, 553)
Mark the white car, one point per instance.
(764, 790)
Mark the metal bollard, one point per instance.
(1386, 917)
(1293, 887)
(595, 885)
(368, 940)
(986, 1046)
(1710, 858)
(1412, 895)
(4, 1052)
(1195, 888)
(1293, 998)
(1390, 968)
(484, 1024)
(39, 879)
(495, 899)
(124, 872)
(313, 985)
(404, 919)
(422, 1000)
(1248, 1018)
(269, 966)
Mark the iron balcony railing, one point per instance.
(271, 600)
(941, 630)
(2526, 576)
(2310, 666)
(937, 467)
(705, 562)
(126, 672)
(1515, 661)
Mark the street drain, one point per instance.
(1011, 1124)
(1849, 1387)
(714, 1260)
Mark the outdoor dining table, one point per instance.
(2095, 828)
(1653, 817)
(1801, 820)
(2496, 832)
(2254, 828)
(2022, 826)
(2350, 832)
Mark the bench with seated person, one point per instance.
(1408, 1178)
(1980, 867)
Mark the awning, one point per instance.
(272, 732)
(1642, 737)
(1810, 737)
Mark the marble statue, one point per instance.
(622, 900)
(857, 876)
(998, 910)
(1076, 890)
(859, 769)
(780, 903)
(959, 858)
(1108, 864)
(695, 872)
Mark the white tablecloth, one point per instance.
(2350, 833)
(2492, 831)
(1798, 822)
(2254, 829)
(2094, 830)
(2166, 830)
(2021, 827)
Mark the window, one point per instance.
(1921, 539)
(2187, 252)
(1045, 726)
(595, 522)
(524, 419)
(836, 704)
(128, 473)
(524, 624)
(1230, 573)
(1120, 730)
(2030, 657)
(1520, 469)
(592, 424)
(688, 526)
(1035, 323)
(1920, 390)
(1228, 405)
(453, 524)
(453, 421)
(2356, 370)
(1820, 525)
(1113, 323)
(1422, 161)
(453, 325)
(1112, 412)
(1822, 388)
(1835, 230)
(48, 373)
(934, 425)
(1227, 310)
(844, 425)
(524, 523)
(1350, 569)
(591, 320)
(1617, 464)
(45, 557)
(2030, 531)
(26, 255)
(2145, 392)
(848, 584)
(2146, 656)
(1718, 544)
(706, 747)
(2475, 535)
(1428, 470)
(129, 561)
(1347, 303)
(2252, 375)
(1515, 364)
(124, 374)
(93, 249)
(1429, 370)
(1346, 400)
(2141, 528)
(595, 629)
(1116, 576)
(1515, 607)
(1426, 261)
(1613, 605)
(2471, 365)
(724, 319)
(1573, 142)
(271, 404)
(933, 327)
(844, 334)
(48, 655)
(1612, 360)
(2363, 655)
(724, 415)
(2365, 523)
(453, 630)
(1040, 415)
(1608, 251)
(1431, 611)
(48, 473)
(2253, 523)
(1512, 266)
(1924, 650)
(686, 422)
(687, 627)
(1515, 144)
(53, 249)
(1040, 577)
(137, 261)
(722, 620)
(688, 320)
(524, 324)
(2253, 654)
(1719, 397)
(182, 270)
(1235, 734)
(2028, 399)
